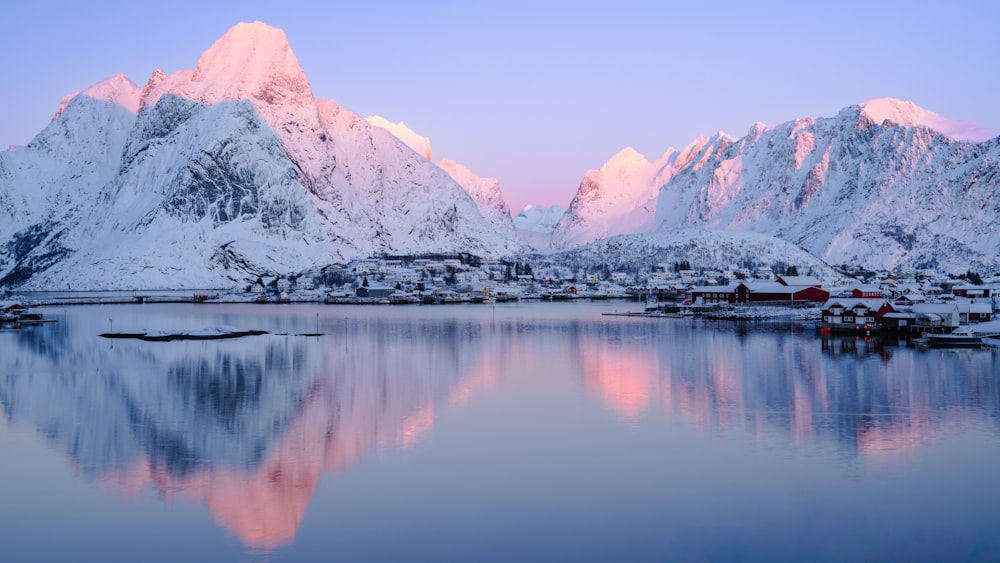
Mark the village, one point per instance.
(911, 303)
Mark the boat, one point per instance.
(961, 337)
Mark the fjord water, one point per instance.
(528, 431)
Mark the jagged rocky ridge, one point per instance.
(877, 186)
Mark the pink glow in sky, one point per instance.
(536, 93)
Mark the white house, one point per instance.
(937, 315)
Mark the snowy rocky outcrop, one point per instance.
(620, 197)
(119, 89)
(535, 224)
(414, 140)
(884, 184)
(484, 191)
(539, 218)
(909, 114)
(224, 173)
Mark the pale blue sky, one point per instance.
(535, 93)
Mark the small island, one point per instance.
(216, 333)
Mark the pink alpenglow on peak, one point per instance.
(627, 162)
(486, 191)
(251, 61)
(420, 144)
(118, 89)
(909, 114)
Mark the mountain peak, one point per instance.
(118, 89)
(420, 144)
(909, 114)
(257, 58)
(756, 130)
(251, 61)
(624, 164)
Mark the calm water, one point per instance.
(514, 433)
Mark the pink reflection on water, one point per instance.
(622, 380)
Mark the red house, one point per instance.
(732, 293)
(970, 312)
(854, 314)
(973, 291)
(779, 293)
(11, 308)
(758, 292)
(867, 292)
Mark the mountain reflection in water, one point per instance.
(249, 427)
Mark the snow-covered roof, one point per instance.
(972, 307)
(974, 289)
(715, 288)
(809, 281)
(872, 304)
(939, 308)
(865, 287)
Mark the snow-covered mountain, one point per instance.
(883, 184)
(214, 176)
(484, 191)
(225, 172)
(620, 198)
(414, 140)
(539, 218)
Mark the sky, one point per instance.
(536, 93)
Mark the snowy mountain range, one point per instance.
(214, 176)
(884, 184)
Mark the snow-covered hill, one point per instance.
(704, 249)
(228, 171)
(884, 184)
